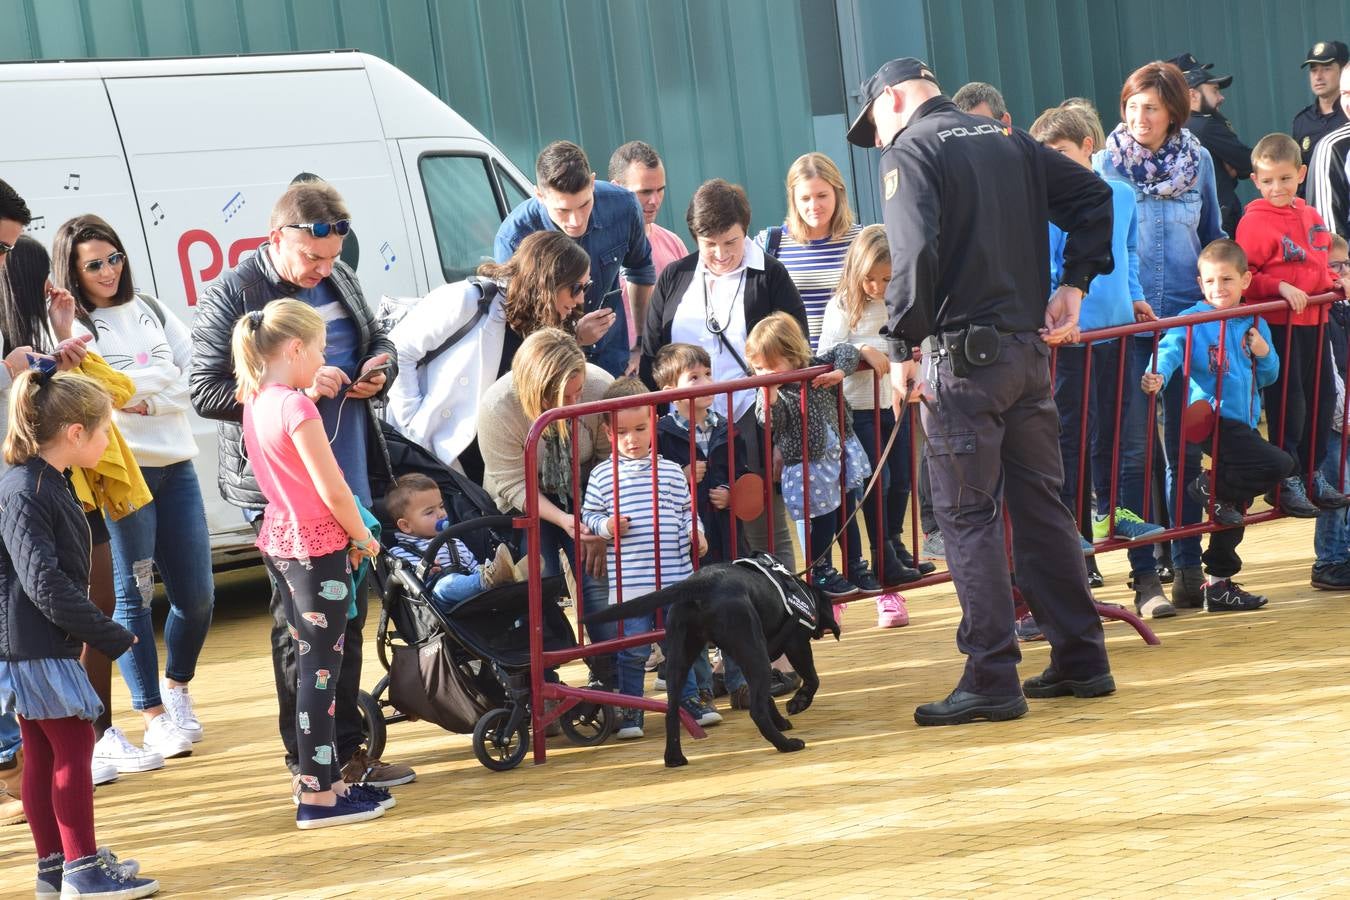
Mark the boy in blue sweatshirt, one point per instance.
(1115, 298)
(1247, 465)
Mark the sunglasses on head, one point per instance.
(96, 265)
(580, 287)
(324, 229)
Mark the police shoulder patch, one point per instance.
(1307, 142)
(890, 182)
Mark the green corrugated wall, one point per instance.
(719, 86)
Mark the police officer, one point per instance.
(1324, 115)
(1232, 158)
(966, 206)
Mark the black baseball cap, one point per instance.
(863, 131)
(1198, 73)
(1324, 52)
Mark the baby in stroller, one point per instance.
(417, 508)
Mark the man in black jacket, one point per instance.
(1232, 158)
(301, 259)
(966, 202)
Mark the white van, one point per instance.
(184, 157)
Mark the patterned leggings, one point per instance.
(315, 593)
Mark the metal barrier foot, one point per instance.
(1121, 614)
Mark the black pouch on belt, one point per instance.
(954, 347)
(981, 345)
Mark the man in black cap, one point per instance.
(966, 202)
(1232, 158)
(1324, 115)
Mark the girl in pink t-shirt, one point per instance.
(311, 534)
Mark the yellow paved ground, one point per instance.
(1220, 769)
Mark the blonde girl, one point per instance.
(55, 422)
(856, 315)
(777, 345)
(812, 241)
(311, 531)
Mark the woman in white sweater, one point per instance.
(135, 335)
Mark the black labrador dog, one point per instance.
(739, 608)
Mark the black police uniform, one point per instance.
(966, 203)
(1215, 132)
(1310, 126)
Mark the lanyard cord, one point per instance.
(719, 329)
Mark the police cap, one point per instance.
(1324, 52)
(1197, 73)
(863, 131)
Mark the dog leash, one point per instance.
(872, 483)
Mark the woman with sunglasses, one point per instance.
(152, 347)
(542, 285)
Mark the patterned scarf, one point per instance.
(1170, 171)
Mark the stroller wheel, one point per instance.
(588, 724)
(495, 746)
(372, 723)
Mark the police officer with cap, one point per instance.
(966, 204)
(1233, 159)
(1324, 115)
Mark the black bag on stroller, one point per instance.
(426, 683)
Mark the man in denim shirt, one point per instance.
(607, 222)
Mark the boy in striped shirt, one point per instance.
(653, 536)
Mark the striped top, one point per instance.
(834, 330)
(639, 550)
(815, 268)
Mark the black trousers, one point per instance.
(993, 442)
(1248, 465)
(347, 726)
(1305, 426)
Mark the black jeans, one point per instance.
(1305, 427)
(993, 443)
(348, 734)
(1248, 466)
(894, 482)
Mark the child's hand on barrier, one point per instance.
(1257, 344)
(1152, 382)
(1298, 300)
(1143, 312)
(829, 379)
(720, 497)
(619, 525)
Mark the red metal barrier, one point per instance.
(567, 696)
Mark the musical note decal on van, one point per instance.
(156, 213)
(39, 223)
(73, 181)
(233, 205)
(387, 254)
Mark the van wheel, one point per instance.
(372, 723)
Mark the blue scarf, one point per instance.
(1169, 171)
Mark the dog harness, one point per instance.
(797, 600)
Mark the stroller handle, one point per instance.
(505, 523)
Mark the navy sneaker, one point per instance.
(346, 811)
(1227, 596)
(1224, 513)
(828, 579)
(1293, 499)
(860, 573)
(95, 876)
(703, 714)
(50, 869)
(369, 793)
(1324, 495)
(630, 726)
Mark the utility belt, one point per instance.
(967, 349)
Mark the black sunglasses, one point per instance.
(5, 248)
(96, 265)
(578, 288)
(323, 229)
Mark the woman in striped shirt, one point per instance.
(812, 243)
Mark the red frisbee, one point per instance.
(747, 497)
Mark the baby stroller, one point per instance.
(469, 670)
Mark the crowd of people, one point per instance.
(589, 298)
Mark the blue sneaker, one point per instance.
(50, 869)
(346, 811)
(1088, 549)
(95, 876)
(1128, 526)
(703, 714)
(369, 793)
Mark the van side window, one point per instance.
(465, 215)
(515, 194)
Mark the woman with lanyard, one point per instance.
(813, 240)
(462, 337)
(1178, 205)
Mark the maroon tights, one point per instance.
(58, 786)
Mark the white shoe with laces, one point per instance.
(104, 772)
(163, 737)
(115, 750)
(178, 704)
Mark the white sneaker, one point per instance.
(114, 748)
(163, 738)
(178, 704)
(104, 772)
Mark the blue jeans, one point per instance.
(9, 737)
(453, 588)
(1331, 539)
(1104, 421)
(170, 535)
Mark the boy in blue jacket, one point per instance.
(1247, 465)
